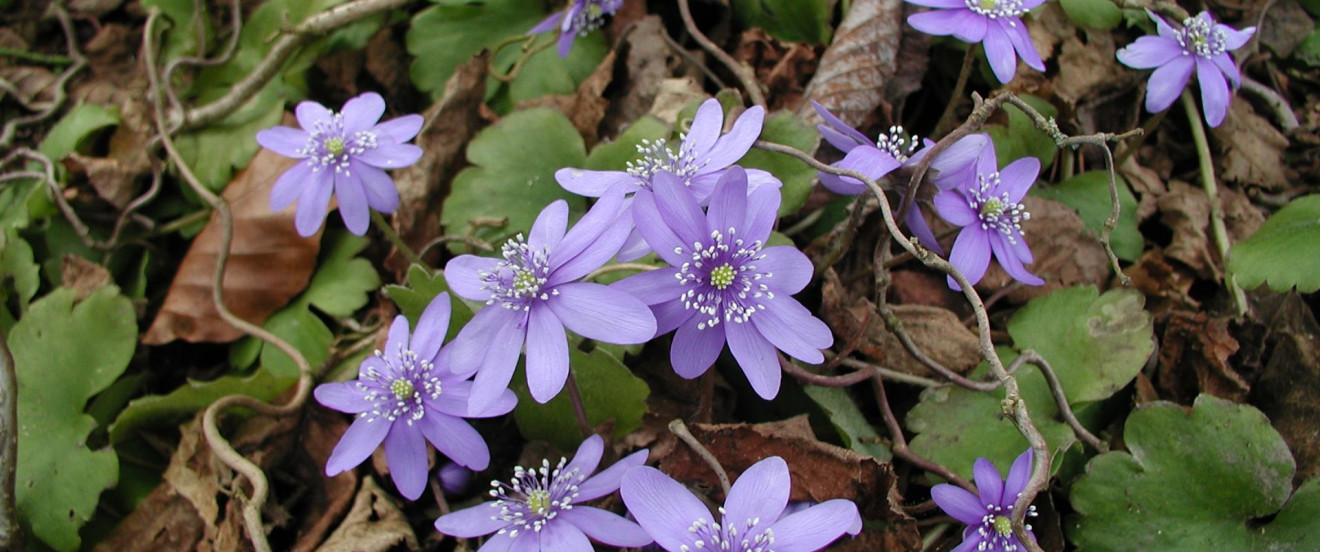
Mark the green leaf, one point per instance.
(64, 355)
(1308, 51)
(609, 392)
(423, 286)
(1194, 481)
(79, 123)
(615, 156)
(1021, 138)
(1096, 345)
(443, 36)
(183, 402)
(546, 73)
(1088, 193)
(1096, 14)
(19, 278)
(515, 161)
(343, 282)
(1284, 252)
(786, 128)
(856, 432)
(788, 20)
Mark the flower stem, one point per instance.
(1212, 194)
(579, 408)
(677, 427)
(386, 228)
(638, 267)
(956, 99)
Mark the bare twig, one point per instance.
(200, 60)
(10, 536)
(899, 443)
(892, 375)
(677, 427)
(279, 53)
(1056, 388)
(471, 242)
(59, 87)
(1283, 113)
(843, 380)
(210, 428)
(740, 70)
(47, 176)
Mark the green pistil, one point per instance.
(335, 146)
(989, 5)
(722, 277)
(992, 208)
(524, 282)
(1003, 526)
(539, 501)
(403, 389)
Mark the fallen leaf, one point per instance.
(646, 57)
(1066, 253)
(112, 181)
(1194, 359)
(1186, 211)
(327, 498)
(83, 276)
(1166, 287)
(1253, 149)
(450, 125)
(375, 524)
(1284, 26)
(781, 68)
(858, 64)
(1289, 386)
(269, 262)
(1087, 67)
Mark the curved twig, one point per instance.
(1056, 388)
(677, 427)
(61, 93)
(740, 70)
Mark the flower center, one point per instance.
(730, 536)
(996, 528)
(335, 146)
(1003, 526)
(995, 210)
(403, 389)
(656, 156)
(722, 280)
(399, 388)
(534, 496)
(517, 281)
(997, 8)
(895, 143)
(591, 16)
(1200, 36)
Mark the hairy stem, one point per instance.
(677, 427)
(390, 234)
(1211, 188)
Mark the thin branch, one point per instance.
(47, 176)
(677, 427)
(200, 60)
(844, 380)
(739, 69)
(60, 85)
(899, 443)
(893, 375)
(282, 51)
(10, 536)
(1060, 399)
(471, 242)
(393, 236)
(1283, 113)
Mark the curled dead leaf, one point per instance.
(858, 64)
(374, 524)
(1194, 359)
(269, 262)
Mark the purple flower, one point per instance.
(724, 284)
(988, 207)
(344, 154)
(1201, 46)
(997, 24)
(404, 397)
(751, 520)
(988, 516)
(541, 508)
(702, 158)
(532, 294)
(578, 19)
(873, 159)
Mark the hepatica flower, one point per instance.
(532, 294)
(1202, 47)
(874, 159)
(988, 514)
(997, 24)
(344, 153)
(404, 397)
(749, 521)
(578, 19)
(724, 284)
(541, 508)
(988, 206)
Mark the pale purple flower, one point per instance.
(752, 519)
(987, 204)
(1202, 47)
(578, 19)
(404, 396)
(533, 293)
(997, 24)
(702, 158)
(989, 515)
(724, 284)
(542, 508)
(874, 159)
(344, 154)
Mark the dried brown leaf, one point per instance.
(1085, 68)
(1194, 359)
(1288, 389)
(1253, 149)
(858, 64)
(269, 262)
(112, 181)
(82, 276)
(1186, 211)
(375, 524)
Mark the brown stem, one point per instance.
(677, 427)
(740, 70)
(10, 536)
(899, 443)
(579, 409)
